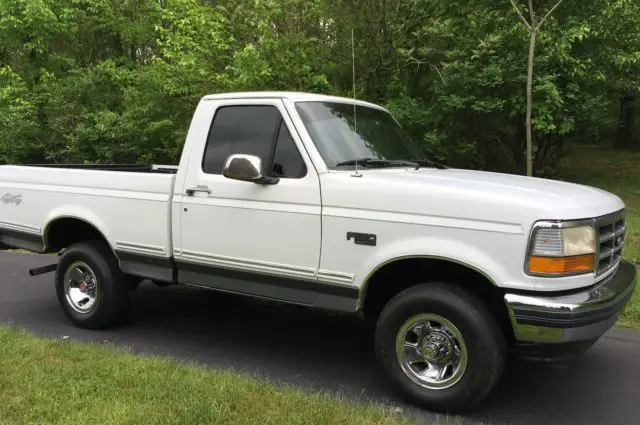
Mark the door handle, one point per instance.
(200, 188)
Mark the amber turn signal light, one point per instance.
(562, 265)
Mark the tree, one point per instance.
(533, 25)
(118, 80)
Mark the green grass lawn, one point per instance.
(62, 382)
(617, 172)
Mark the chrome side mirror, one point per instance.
(246, 168)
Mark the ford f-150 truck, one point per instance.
(325, 202)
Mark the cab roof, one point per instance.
(289, 95)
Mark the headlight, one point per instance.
(561, 249)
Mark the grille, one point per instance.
(611, 233)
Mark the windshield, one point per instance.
(341, 137)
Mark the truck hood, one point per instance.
(540, 192)
(466, 194)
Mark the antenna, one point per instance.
(353, 63)
(353, 73)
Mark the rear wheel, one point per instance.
(440, 345)
(90, 287)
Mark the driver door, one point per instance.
(239, 236)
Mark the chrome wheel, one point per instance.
(81, 287)
(431, 351)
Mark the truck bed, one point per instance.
(129, 205)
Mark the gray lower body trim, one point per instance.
(327, 296)
(146, 266)
(304, 292)
(21, 240)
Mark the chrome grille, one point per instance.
(611, 233)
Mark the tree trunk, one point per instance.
(625, 124)
(532, 47)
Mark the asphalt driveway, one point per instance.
(326, 352)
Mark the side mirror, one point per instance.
(246, 168)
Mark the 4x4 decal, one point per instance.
(11, 199)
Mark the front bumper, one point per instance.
(573, 319)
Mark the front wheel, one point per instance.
(440, 346)
(90, 287)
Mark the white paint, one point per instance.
(27, 228)
(123, 206)
(297, 228)
(275, 224)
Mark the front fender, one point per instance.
(484, 261)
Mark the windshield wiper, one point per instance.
(383, 163)
(378, 163)
(428, 163)
(361, 161)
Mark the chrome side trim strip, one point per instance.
(140, 248)
(20, 227)
(336, 278)
(249, 265)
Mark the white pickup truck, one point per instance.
(323, 201)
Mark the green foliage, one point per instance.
(17, 113)
(616, 171)
(118, 80)
(53, 381)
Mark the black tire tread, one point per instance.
(488, 330)
(113, 304)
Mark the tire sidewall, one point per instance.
(484, 352)
(109, 296)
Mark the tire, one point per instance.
(99, 294)
(467, 327)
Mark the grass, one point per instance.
(617, 172)
(62, 382)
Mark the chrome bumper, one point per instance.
(572, 317)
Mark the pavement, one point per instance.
(325, 352)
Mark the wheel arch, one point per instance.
(423, 257)
(377, 289)
(64, 230)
